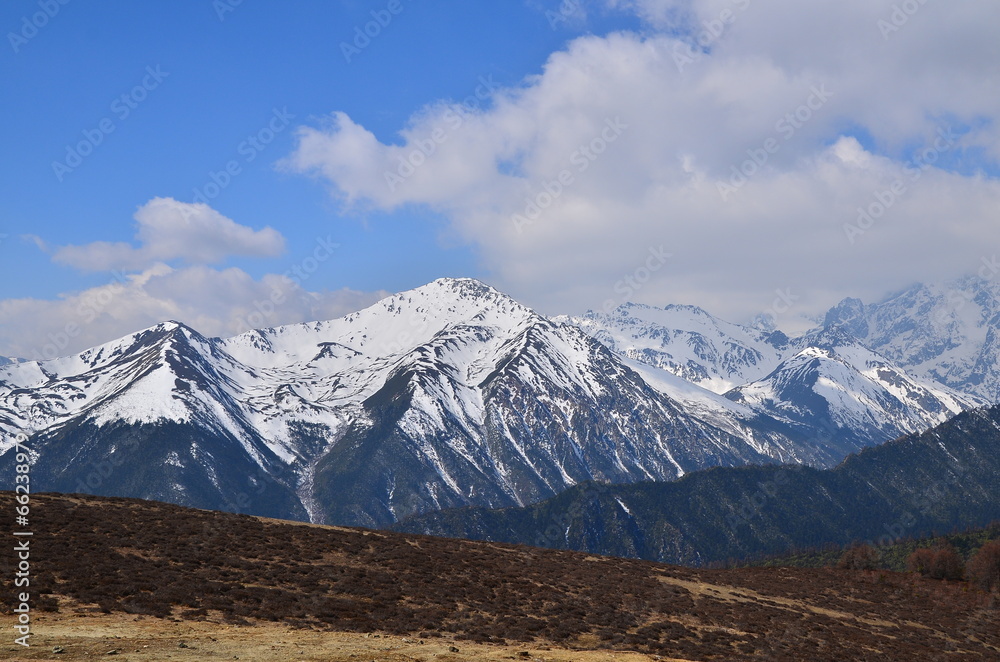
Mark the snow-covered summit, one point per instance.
(392, 326)
(849, 393)
(946, 332)
(688, 342)
(452, 393)
(455, 394)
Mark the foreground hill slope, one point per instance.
(936, 480)
(92, 555)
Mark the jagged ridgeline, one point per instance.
(933, 481)
(454, 395)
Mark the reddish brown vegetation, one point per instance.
(121, 555)
(938, 563)
(859, 557)
(984, 566)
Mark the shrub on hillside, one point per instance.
(939, 563)
(947, 564)
(859, 557)
(984, 566)
(920, 560)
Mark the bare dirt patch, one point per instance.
(145, 639)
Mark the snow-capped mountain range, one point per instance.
(829, 380)
(454, 394)
(945, 332)
(688, 342)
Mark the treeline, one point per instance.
(972, 555)
(938, 562)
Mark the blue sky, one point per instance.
(224, 78)
(200, 78)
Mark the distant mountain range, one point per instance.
(937, 480)
(454, 394)
(945, 333)
(451, 394)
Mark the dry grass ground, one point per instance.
(143, 578)
(147, 639)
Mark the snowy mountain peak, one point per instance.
(456, 300)
(632, 309)
(849, 315)
(454, 393)
(466, 287)
(945, 332)
(830, 338)
(688, 342)
(391, 327)
(449, 394)
(849, 394)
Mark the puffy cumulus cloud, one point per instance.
(741, 137)
(169, 230)
(143, 290)
(214, 302)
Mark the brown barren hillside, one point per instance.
(153, 581)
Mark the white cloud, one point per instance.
(144, 290)
(170, 230)
(800, 78)
(214, 302)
